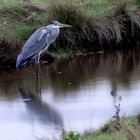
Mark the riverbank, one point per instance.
(125, 129)
(96, 26)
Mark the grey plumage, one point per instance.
(38, 42)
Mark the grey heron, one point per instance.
(39, 42)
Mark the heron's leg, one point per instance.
(38, 71)
(38, 58)
(38, 61)
(39, 78)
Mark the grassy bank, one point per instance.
(125, 129)
(97, 25)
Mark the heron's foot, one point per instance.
(43, 62)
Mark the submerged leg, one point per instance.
(38, 70)
(39, 78)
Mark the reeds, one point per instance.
(8, 52)
(89, 33)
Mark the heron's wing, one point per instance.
(36, 43)
(35, 37)
(42, 34)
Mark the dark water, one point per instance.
(77, 94)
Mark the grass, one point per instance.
(116, 136)
(90, 33)
(25, 31)
(17, 9)
(35, 12)
(129, 130)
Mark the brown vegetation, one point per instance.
(94, 34)
(8, 52)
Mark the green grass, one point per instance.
(116, 136)
(19, 19)
(129, 130)
(9, 3)
(24, 32)
(15, 13)
(88, 6)
(76, 136)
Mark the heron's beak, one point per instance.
(65, 25)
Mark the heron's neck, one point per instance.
(52, 27)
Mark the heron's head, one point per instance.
(58, 24)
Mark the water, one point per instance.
(77, 94)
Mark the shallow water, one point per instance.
(77, 94)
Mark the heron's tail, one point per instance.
(19, 62)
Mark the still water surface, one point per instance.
(74, 94)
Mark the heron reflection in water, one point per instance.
(40, 110)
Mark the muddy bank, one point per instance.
(9, 51)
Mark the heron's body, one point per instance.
(38, 42)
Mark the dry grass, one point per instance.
(89, 33)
